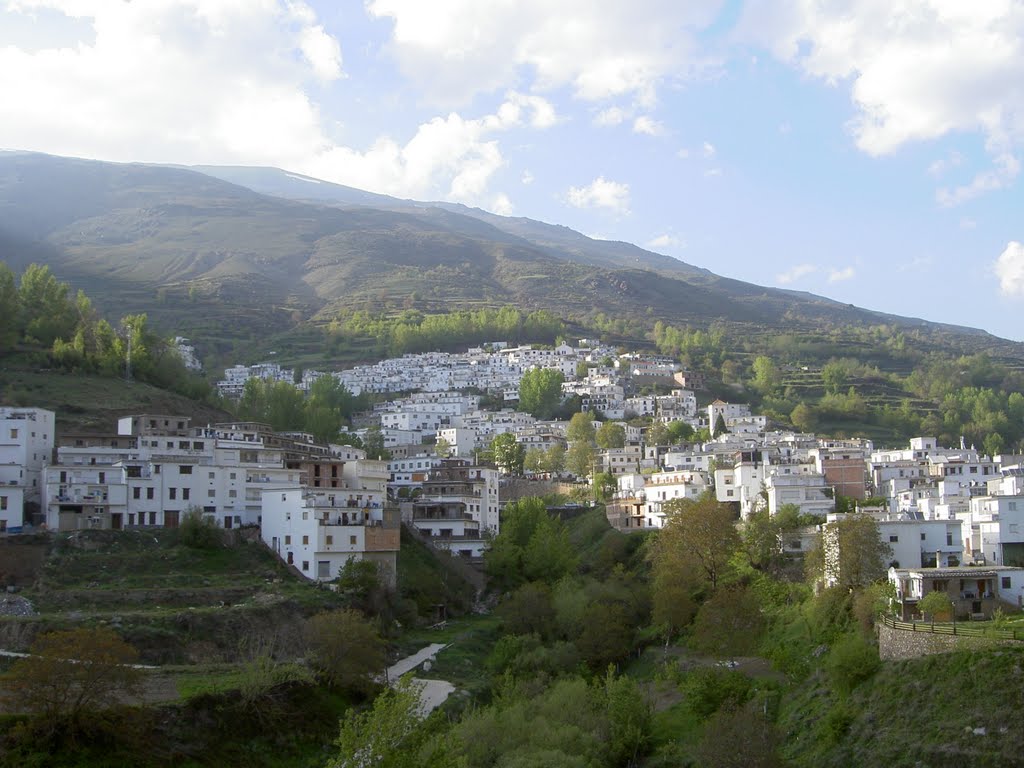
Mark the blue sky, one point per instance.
(865, 150)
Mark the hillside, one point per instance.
(222, 262)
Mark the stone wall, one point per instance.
(897, 644)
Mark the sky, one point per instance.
(865, 150)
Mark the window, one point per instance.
(211, 493)
(136, 493)
(949, 538)
(305, 540)
(330, 540)
(352, 540)
(232, 493)
(149, 493)
(172, 493)
(14, 434)
(211, 475)
(922, 537)
(1013, 506)
(103, 477)
(305, 565)
(3, 502)
(186, 493)
(894, 539)
(1005, 582)
(156, 469)
(232, 476)
(287, 539)
(185, 469)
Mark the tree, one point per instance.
(605, 485)
(346, 650)
(8, 300)
(554, 459)
(730, 623)
(508, 453)
(373, 444)
(579, 459)
(679, 431)
(581, 428)
(532, 546)
(442, 448)
(611, 435)
(73, 672)
(698, 533)
(851, 553)
(763, 536)
(720, 428)
(804, 418)
(834, 376)
(45, 313)
(383, 736)
(766, 375)
(540, 392)
(656, 434)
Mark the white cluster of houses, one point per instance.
(496, 368)
(317, 506)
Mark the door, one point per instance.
(115, 521)
(227, 521)
(171, 518)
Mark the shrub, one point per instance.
(711, 689)
(937, 605)
(852, 661)
(198, 531)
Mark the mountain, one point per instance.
(239, 253)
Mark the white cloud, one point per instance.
(712, 172)
(841, 275)
(526, 178)
(601, 193)
(610, 116)
(178, 81)
(665, 241)
(683, 154)
(917, 70)
(795, 273)
(600, 49)
(1009, 268)
(708, 149)
(648, 125)
(1006, 169)
(501, 205)
(953, 160)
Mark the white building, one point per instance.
(26, 446)
(458, 507)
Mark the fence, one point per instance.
(960, 630)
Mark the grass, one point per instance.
(917, 712)
(86, 403)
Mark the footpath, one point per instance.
(432, 693)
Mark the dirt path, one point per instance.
(433, 693)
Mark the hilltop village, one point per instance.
(445, 464)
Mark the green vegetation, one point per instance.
(413, 331)
(69, 334)
(322, 413)
(540, 392)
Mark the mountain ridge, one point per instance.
(206, 255)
